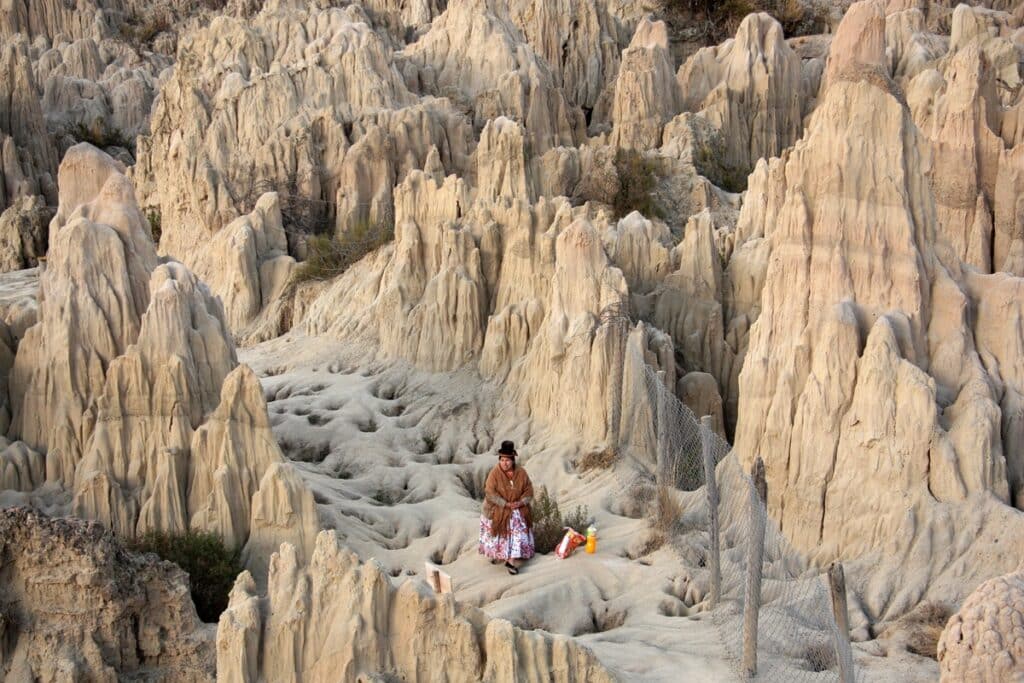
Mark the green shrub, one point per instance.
(329, 256)
(549, 524)
(155, 224)
(211, 566)
(638, 179)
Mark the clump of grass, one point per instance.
(597, 460)
(549, 523)
(665, 512)
(329, 256)
(211, 565)
(638, 179)
(820, 655)
(924, 625)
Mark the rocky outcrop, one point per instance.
(473, 54)
(646, 95)
(863, 386)
(311, 105)
(23, 233)
(982, 641)
(28, 160)
(296, 633)
(750, 88)
(130, 386)
(75, 605)
(247, 263)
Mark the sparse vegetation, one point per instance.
(211, 566)
(103, 137)
(924, 625)
(638, 179)
(597, 460)
(327, 256)
(665, 512)
(709, 163)
(549, 523)
(721, 18)
(820, 655)
(142, 29)
(155, 224)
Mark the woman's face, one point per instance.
(506, 463)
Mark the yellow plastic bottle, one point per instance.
(591, 539)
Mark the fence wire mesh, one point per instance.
(661, 446)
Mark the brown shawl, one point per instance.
(500, 490)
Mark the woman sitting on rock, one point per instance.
(506, 528)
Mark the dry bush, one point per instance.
(597, 460)
(666, 512)
(820, 655)
(549, 524)
(723, 17)
(327, 256)
(638, 179)
(923, 627)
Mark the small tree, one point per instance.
(211, 566)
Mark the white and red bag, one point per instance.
(572, 540)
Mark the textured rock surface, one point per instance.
(130, 386)
(28, 160)
(863, 388)
(23, 233)
(74, 605)
(750, 88)
(646, 95)
(982, 642)
(297, 633)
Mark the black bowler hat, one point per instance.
(507, 448)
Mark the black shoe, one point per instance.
(512, 569)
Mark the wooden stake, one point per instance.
(844, 651)
(711, 488)
(755, 562)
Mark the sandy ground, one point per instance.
(397, 459)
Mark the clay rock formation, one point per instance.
(296, 633)
(97, 91)
(100, 613)
(309, 103)
(646, 95)
(473, 54)
(516, 289)
(130, 386)
(28, 160)
(247, 263)
(956, 101)
(750, 88)
(23, 233)
(863, 386)
(982, 642)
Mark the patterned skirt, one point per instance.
(517, 545)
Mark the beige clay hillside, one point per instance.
(290, 272)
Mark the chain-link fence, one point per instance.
(772, 608)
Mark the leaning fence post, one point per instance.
(755, 562)
(711, 488)
(844, 652)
